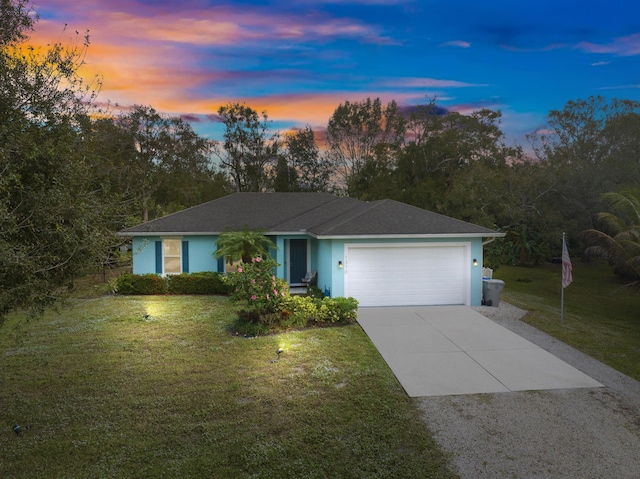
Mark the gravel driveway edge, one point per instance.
(565, 433)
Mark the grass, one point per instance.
(601, 316)
(112, 394)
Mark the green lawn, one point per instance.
(601, 316)
(112, 394)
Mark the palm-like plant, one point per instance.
(243, 245)
(619, 240)
(527, 246)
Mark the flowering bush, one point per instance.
(269, 305)
(255, 284)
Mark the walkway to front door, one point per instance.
(445, 350)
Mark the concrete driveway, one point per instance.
(447, 350)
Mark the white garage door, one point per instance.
(401, 275)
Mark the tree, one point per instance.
(143, 127)
(189, 177)
(356, 130)
(454, 164)
(250, 148)
(286, 177)
(312, 171)
(53, 222)
(619, 240)
(375, 180)
(16, 22)
(587, 147)
(243, 245)
(164, 162)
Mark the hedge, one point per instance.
(185, 283)
(296, 310)
(198, 283)
(129, 283)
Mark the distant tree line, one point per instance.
(454, 164)
(72, 174)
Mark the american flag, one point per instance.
(567, 278)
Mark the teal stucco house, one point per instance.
(383, 253)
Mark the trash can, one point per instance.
(491, 289)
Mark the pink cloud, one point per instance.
(547, 48)
(621, 87)
(456, 43)
(469, 108)
(621, 46)
(429, 83)
(220, 25)
(545, 132)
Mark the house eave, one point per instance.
(129, 234)
(412, 236)
(206, 233)
(320, 236)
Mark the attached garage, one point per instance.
(408, 274)
(383, 253)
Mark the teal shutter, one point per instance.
(221, 264)
(159, 257)
(185, 256)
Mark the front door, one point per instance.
(297, 260)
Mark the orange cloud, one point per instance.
(314, 109)
(293, 110)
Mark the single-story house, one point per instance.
(382, 253)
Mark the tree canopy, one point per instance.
(72, 175)
(250, 147)
(54, 222)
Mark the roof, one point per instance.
(315, 214)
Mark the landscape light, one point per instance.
(278, 353)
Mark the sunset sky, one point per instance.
(299, 59)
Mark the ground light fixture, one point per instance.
(279, 351)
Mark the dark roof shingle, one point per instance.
(319, 214)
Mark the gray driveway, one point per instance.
(451, 350)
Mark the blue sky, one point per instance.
(299, 60)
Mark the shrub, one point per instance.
(297, 311)
(338, 310)
(315, 292)
(129, 283)
(256, 285)
(198, 283)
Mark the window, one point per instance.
(231, 268)
(172, 250)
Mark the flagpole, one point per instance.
(562, 287)
(567, 278)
